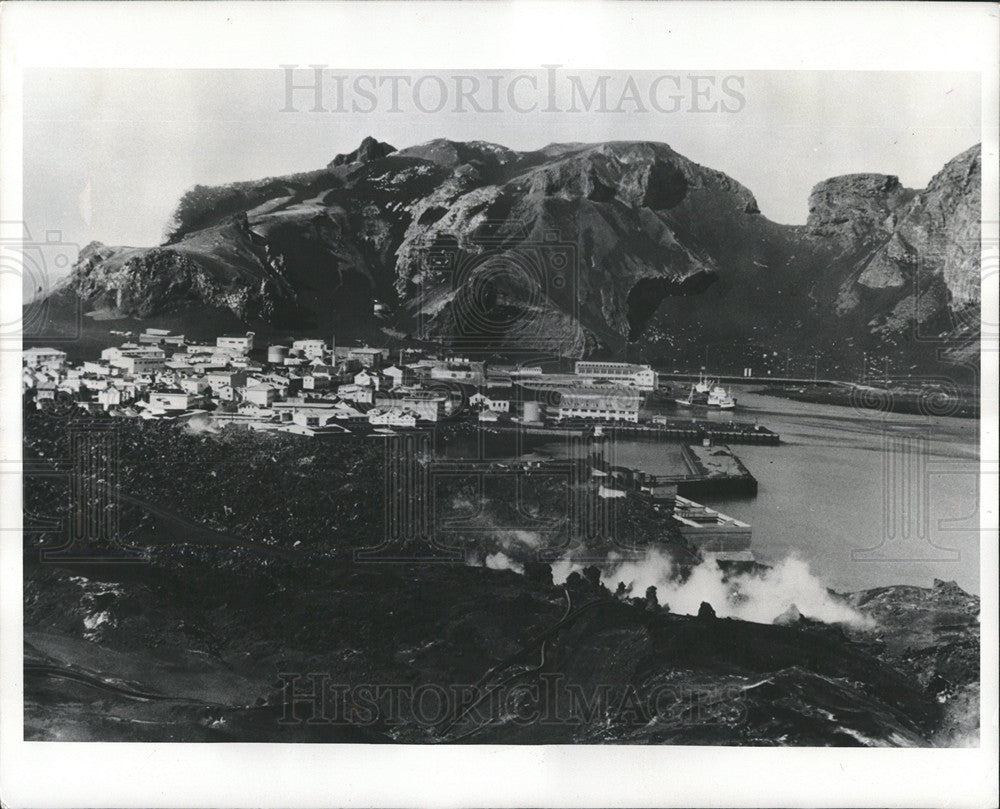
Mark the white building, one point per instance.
(174, 400)
(368, 378)
(498, 405)
(260, 394)
(133, 350)
(316, 382)
(114, 396)
(472, 373)
(194, 384)
(368, 357)
(225, 393)
(99, 383)
(357, 394)
(310, 349)
(235, 343)
(135, 365)
(225, 379)
(639, 376)
(427, 405)
(161, 336)
(599, 403)
(398, 376)
(394, 417)
(97, 368)
(39, 357)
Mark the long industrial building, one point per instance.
(626, 373)
(598, 402)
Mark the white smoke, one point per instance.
(759, 596)
(516, 537)
(561, 568)
(200, 423)
(501, 561)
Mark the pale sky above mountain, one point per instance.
(107, 153)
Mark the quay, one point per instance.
(712, 471)
(697, 431)
(689, 431)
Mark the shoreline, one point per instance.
(932, 402)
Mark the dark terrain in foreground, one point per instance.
(201, 645)
(202, 636)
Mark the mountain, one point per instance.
(614, 249)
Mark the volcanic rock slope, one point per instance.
(577, 249)
(217, 644)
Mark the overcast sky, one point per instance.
(107, 153)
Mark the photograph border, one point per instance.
(612, 35)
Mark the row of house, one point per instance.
(306, 388)
(161, 374)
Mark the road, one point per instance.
(755, 380)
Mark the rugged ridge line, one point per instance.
(457, 239)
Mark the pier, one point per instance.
(696, 431)
(687, 431)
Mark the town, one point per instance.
(313, 388)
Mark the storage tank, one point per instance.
(532, 411)
(277, 354)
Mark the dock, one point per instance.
(697, 431)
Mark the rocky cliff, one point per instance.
(575, 248)
(919, 248)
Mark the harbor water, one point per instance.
(868, 499)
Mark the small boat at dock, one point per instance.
(694, 398)
(720, 397)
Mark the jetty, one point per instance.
(733, 432)
(687, 431)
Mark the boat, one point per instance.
(719, 397)
(704, 384)
(694, 398)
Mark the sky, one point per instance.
(108, 152)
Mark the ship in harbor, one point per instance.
(707, 393)
(693, 398)
(698, 394)
(721, 398)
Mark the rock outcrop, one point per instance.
(856, 208)
(937, 235)
(369, 150)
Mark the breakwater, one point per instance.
(686, 431)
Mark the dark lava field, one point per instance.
(241, 613)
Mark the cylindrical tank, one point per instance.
(277, 354)
(532, 411)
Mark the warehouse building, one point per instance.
(598, 403)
